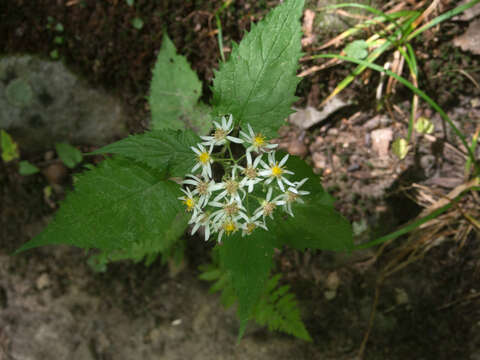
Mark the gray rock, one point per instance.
(381, 139)
(42, 102)
(305, 118)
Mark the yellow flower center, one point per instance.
(189, 203)
(250, 228)
(219, 134)
(231, 209)
(229, 227)
(291, 196)
(250, 172)
(204, 157)
(231, 186)
(259, 140)
(277, 171)
(202, 187)
(268, 208)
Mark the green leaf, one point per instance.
(248, 261)
(174, 92)
(54, 54)
(313, 185)
(26, 168)
(257, 85)
(69, 154)
(161, 149)
(59, 27)
(122, 208)
(58, 40)
(279, 310)
(357, 49)
(314, 226)
(400, 148)
(137, 23)
(130, 2)
(9, 147)
(424, 126)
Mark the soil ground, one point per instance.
(53, 306)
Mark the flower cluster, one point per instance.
(234, 203)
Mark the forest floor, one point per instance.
(54, 306)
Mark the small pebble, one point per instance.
(43, 281)
(55, 173)
(298, 148)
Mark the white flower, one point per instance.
(275, 170)
(201, 219)
(204, 188)
(257, 141)
(229, 226)
(189, 201)
(251, 173)
(232, 186)
(293, 195)
(228, 209)
(268, 206)
(220, 135)
(249, 226)
(204, 158)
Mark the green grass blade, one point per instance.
(369, 9)
(390, 42)
(405, 229)
(375, 21)
(443, 17)
(412, 65)
(416, 90)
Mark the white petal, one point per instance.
(283, 161)
(257, 161)
(195, 150)
(207, 232)
(252, 134)
(235, 140)
(218, 197)
(195, 228)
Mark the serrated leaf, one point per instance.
(119, 207)
(400, 148)
(161, 149)
(26, 168)
(314, 226)
(302, 170)
(279, 310)
(357, 49)
(316, 223)
(69, 154)
(174, 93)
(8, 146)
(257, 85)
(424, 126)
(248, 261)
